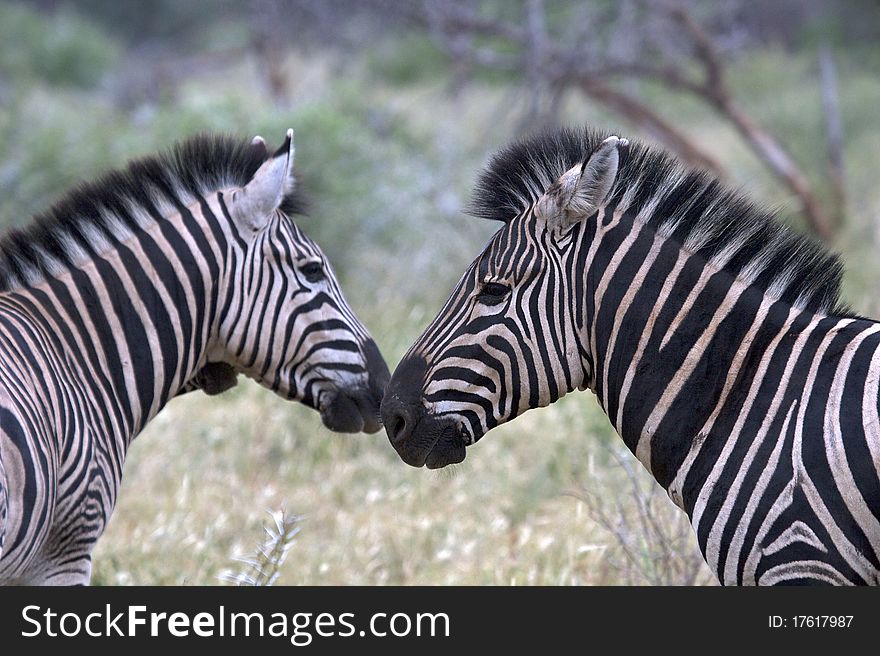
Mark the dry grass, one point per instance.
(200, 479)
(263, 567)
(650, 541)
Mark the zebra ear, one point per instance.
(253, 204)
(584, 188)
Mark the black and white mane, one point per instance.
(95, 215)
(689, 206)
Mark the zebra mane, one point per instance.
(686, 205)
(87, 220)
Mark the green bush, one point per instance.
(60, 48)
(408, 60)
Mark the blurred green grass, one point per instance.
(389, 158)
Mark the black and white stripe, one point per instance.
(177, 273)
(711, 335)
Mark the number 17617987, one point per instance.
(810, 621)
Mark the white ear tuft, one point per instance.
(584, 188)
(259, 145)
(254, 204)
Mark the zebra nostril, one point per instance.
(398, 427)
(398, 423)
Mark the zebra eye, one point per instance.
(313, 271)
(493, 293)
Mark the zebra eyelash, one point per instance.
(493, 292)
(312, 271)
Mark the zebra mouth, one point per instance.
(350, 411)
(433, 443)
(353, 407)
(449, 449)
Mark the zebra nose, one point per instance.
(398, 420)
(401, 406)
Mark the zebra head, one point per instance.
(285, 322)
(508, 339)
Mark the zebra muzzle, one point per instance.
(351, 411)
(421, 439)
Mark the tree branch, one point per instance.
(647, 119)
(833, 130)
(550, 65)
(762, 143)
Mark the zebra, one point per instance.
(712, 336)
(176, 273)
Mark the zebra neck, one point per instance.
(675, 341)
(132, 324)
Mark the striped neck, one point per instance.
(676, 342)
(136, 320)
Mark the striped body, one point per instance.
(760, 420)
(736, 382)
(93, 347)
